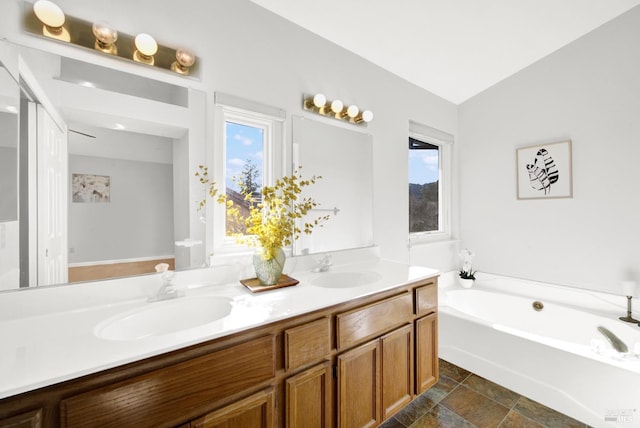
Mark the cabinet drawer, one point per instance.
(154, 399)
(373, 320)
(307, 343)
(427, 299)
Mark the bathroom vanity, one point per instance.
(335, 354)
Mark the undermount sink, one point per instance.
(160, 318)
(345, 279)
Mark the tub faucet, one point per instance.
(168, 289)
(615, 341)
(324, 264)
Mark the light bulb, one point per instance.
(184, 60)
(146, 44)
(337, 106)
(146, 48)
(353, 111)
(53, 19)
(367, 116)
(319, 100)
(105, 38)
(49, 13)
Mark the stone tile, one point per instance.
(475, 408)
(516, 420)
(545, 415)
(441, 417)
(498, 393)
(440, 390)
(392, 423)
(416, 409)
(452, 371)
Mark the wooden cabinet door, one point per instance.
(397, 370)
(26, 420)
(255, 411)
(426, 352)
(308, 398)
(359, 386)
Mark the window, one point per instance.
(244, 147)
(249, 147)
(429, 173)
(424, 182)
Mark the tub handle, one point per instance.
(615, 341)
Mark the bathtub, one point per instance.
(554, 355)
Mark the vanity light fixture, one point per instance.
(318, 104)
(45, 18)
(146, 48)
(184, 60)
(106, 38)
(53, 19)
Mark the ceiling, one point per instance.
(452, 48)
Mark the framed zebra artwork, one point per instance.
(544, 171)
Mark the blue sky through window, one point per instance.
(244, 143)
(423, 166)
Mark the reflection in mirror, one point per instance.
(132, 144)
(9, 226)
(121, 187)
(344, 158)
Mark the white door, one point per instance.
(52, 200)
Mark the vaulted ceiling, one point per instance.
(452, 48)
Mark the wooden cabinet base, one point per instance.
(308, 398)
(255, 411)
(354, 364)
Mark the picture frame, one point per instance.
(544, 171)
(90, 188)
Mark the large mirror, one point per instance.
(344, 159)
(119, 196)
(9, 108)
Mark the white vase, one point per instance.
(466, 283)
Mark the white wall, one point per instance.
(251, 53)
(588, 92)
(136, 223)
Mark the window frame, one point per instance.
(444, 185)
(248, 113)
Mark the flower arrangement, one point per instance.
(466, 272)
(272, 219)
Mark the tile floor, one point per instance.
(463, 399)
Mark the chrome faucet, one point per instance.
(324, 264)
(168, 289)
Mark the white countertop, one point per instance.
(47, 335)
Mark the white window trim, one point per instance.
(271, 120)
(444, 142)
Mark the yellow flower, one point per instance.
(271, 222)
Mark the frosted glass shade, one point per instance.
(146, 45)
(337, 106)
(49, 13)
(319, 100)
(367, 116)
